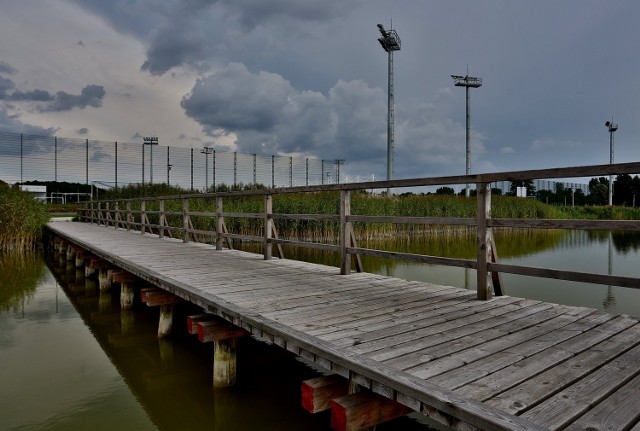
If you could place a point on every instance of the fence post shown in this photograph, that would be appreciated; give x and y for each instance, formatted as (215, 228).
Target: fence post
(268, 226)
(219, 223)
(345, 232)
(185, 220)
(483, 240)
(162, 218)
(129, 215)
(143, 216)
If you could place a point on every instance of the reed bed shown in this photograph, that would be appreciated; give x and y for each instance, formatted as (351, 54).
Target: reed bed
(328, 203)
(21, 273)
(21, 218)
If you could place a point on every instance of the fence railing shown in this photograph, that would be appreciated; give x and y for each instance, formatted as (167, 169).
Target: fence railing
(179, 222)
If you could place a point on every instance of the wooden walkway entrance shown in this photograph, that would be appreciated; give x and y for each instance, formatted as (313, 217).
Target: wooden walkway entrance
(506, 363)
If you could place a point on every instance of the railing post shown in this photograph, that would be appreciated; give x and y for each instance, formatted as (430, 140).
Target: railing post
(268, 226)
(129, 215)
(483, 240)
(107, 214)
(117, 215)
(219, 223)
(345, 232)
(185, 220)
(143, 215)
(161, 218)
(99, 213)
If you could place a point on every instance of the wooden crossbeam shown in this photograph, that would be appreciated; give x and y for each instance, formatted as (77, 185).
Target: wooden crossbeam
(155, 297)
(363, 410)
(317, 393)
(123, 277)
(192, 321)
(218, 330)
(97, 263)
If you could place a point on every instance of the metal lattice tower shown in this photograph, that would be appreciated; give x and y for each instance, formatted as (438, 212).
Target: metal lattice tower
(390, 42)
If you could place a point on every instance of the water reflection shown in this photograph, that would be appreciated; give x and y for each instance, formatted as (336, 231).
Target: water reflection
(72, 360)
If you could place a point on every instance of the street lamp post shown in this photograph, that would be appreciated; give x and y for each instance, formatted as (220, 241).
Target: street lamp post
(206, 151)
(612, 128)
(473, 82)
(390, 42)
(151, 141)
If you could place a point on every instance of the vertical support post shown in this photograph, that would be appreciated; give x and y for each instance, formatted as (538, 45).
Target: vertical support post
(116, 166)
(143, 165)
(165, 324)
(273, 173)
(86, 163)
(214, 170)
(224, 363)
(192, 169)
(483, 240)
(307, 171)
(21, 157)
(255, 168)
(143, 215)
(55, 158)
(129, 215)
(162, 218)
(290, 171)
(117, 215)
(268, 226)
(235, 168)
(185, 220)
(168, 166)
(126, 295)
(345, 232)
(103, 279)
(322, 173)
(219, 223)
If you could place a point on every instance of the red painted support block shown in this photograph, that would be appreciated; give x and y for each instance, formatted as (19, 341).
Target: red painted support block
(363, 410)
(218, 330)
(157, 297)
(317, 393)
(192, 321)
(96, 263)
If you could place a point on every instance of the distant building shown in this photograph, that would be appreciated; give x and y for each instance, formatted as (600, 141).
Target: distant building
(38, 192)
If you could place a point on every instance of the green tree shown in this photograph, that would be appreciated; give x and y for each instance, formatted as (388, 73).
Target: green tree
(445, 191)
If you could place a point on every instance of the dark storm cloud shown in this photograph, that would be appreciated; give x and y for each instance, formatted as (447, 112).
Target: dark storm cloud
(6, 68)
(269, 116)
(37, 141)
(91, 95)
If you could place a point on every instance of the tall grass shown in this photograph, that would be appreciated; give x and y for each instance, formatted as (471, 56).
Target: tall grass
(21, 220)
(361, 204)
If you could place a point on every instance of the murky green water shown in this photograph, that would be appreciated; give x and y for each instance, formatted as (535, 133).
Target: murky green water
(70, 359)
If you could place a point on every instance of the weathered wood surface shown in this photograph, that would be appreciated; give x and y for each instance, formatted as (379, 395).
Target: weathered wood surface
(503, 364)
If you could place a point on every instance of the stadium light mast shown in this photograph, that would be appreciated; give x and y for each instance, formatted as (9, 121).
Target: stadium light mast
(390, 42)
(206, 151)
(150, 141)
(612, 127)
(467, 82)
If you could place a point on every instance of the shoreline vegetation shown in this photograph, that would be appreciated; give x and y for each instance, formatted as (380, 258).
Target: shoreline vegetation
(22, 218)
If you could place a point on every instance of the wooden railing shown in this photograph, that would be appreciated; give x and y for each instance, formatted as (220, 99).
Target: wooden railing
(486, 263)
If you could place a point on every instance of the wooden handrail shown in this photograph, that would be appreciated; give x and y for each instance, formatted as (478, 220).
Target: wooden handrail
(485, 263)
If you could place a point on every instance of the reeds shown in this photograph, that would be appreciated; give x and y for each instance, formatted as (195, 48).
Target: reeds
(21, 220)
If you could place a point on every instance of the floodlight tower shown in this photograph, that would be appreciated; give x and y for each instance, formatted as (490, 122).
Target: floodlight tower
(467, 82)
(150, 141)
(612, 127)
(390, 42)
(206, 151)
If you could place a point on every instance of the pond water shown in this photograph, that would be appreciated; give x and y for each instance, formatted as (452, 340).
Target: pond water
(72, 360)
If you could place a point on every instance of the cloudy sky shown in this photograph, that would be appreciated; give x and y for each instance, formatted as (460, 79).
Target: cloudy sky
(309, 78)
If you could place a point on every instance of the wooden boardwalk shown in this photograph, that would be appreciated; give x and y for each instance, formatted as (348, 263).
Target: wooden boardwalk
(506, 363)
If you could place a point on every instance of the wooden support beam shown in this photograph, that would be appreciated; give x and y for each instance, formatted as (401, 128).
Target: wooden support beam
(158, 297)
(123, 277)
(317, 393)
(165, 325)
(127, 295)
(224, 363)
(363, 410)
(218, 330)
(103, 279)
(192, 321)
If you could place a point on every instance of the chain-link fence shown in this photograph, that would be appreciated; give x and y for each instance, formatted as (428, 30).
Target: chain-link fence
(116, 164)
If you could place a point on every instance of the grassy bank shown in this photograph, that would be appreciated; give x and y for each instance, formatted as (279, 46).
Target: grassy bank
(21, 219)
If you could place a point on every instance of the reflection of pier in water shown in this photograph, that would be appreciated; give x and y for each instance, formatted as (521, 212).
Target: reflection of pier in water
(171, 378)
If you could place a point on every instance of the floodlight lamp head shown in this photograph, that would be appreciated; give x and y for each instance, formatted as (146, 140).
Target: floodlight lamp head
(608, 123)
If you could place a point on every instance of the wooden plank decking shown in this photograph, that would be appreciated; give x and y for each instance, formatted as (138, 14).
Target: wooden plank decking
(507, 363)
